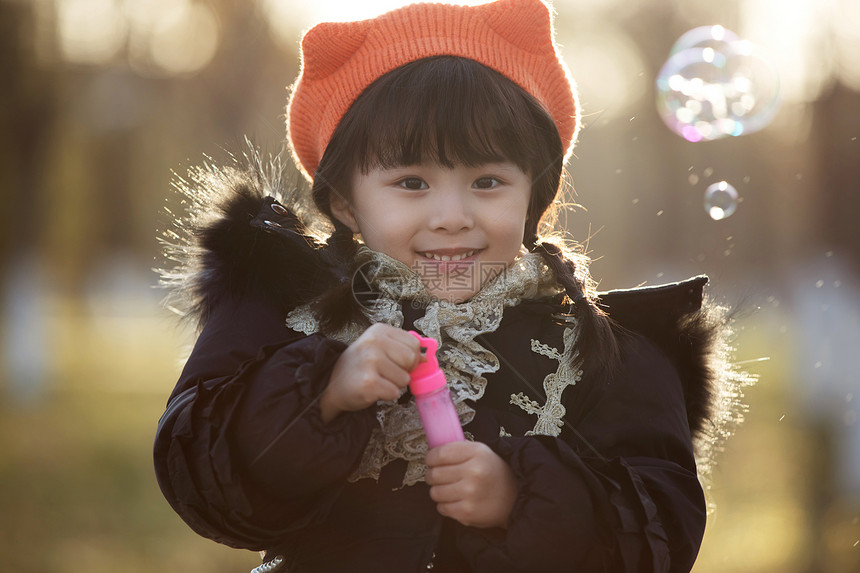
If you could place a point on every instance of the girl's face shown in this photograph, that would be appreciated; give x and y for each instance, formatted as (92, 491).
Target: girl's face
(456, 227)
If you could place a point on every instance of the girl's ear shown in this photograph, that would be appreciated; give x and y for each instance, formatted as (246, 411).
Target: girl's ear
(342, 211)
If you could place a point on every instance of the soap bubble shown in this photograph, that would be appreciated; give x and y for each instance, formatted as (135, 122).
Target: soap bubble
(715, 37)
(714, 85)
(721, 200)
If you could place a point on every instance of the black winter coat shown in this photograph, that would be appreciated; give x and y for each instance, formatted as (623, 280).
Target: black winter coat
(243, 457)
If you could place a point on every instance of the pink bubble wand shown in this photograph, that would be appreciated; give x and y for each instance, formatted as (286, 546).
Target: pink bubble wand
(432, 398)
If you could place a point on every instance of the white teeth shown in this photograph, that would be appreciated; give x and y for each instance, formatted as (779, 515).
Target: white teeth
(436, 257)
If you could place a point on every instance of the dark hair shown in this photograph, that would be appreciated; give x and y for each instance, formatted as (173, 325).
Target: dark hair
(470, 115)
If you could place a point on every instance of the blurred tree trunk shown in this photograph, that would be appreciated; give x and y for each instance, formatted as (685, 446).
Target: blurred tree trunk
(28, 110)
(837, 121)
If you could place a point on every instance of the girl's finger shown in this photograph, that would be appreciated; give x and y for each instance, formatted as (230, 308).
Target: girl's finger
(388, 391)
(393, 373)
(405, 351)
(452, 454)
(443, 509)
(455, 510)
(445, 494)
(442, 475)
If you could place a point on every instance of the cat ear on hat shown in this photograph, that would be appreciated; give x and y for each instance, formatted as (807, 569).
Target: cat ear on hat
(326, 48)
(517, 20)
(329, 45)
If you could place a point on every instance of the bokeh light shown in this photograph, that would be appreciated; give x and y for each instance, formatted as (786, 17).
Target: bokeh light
(90, 31)
(184, 38)
(159, 37)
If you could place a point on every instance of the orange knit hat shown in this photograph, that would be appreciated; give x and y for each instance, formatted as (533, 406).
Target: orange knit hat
(340, 59)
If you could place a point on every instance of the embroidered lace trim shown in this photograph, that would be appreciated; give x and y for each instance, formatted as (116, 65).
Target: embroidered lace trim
(399, 434)
(551, 415)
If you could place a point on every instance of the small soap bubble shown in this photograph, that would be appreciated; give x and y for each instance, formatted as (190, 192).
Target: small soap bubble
(716, 85)
(693, 179)
(819, 284)
(721, 200)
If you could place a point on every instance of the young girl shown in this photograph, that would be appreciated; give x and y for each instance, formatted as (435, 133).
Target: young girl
(435, 137)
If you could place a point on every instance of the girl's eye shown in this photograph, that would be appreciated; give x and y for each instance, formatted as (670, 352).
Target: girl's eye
(486, 183)
(412, 183)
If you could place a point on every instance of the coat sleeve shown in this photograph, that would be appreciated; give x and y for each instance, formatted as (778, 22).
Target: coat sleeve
(621, 495)
(241, 452)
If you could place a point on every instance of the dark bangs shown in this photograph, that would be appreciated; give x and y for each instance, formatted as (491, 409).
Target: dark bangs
(448, 110)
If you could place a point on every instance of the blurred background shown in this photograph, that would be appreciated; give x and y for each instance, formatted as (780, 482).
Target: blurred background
(102, 101)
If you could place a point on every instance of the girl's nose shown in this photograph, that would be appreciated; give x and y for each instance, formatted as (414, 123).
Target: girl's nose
(451, 212)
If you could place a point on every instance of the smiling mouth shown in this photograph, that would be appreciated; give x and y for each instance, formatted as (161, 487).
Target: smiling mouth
(449, 257)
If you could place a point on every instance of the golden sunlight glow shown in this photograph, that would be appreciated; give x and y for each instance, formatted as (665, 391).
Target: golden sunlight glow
(184, 38)
(847, 39)
(346, 10)
(795, 35)
(163, 37)
(90, 31)
(606, 65)
(289, 17)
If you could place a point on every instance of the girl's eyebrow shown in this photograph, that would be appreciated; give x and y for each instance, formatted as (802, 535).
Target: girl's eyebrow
(505, 168)
(499, 165)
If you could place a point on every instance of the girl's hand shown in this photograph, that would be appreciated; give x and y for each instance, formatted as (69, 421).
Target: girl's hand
(470, 483)
(374, 367)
